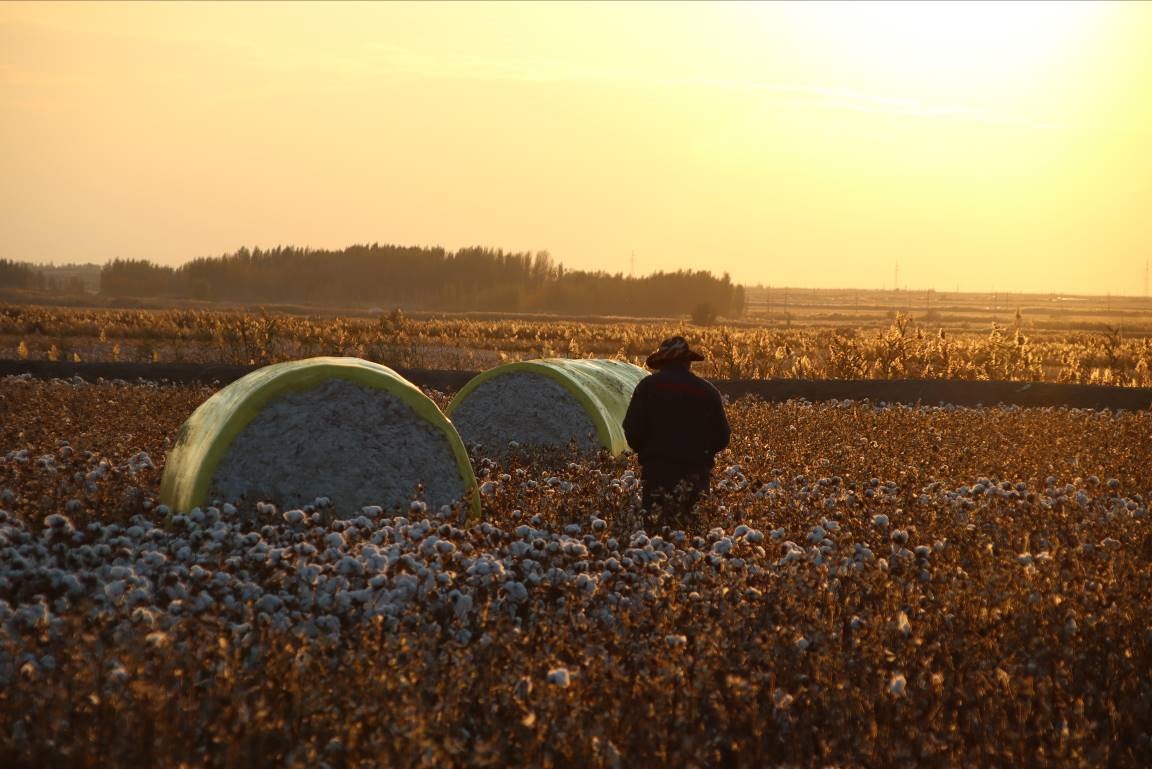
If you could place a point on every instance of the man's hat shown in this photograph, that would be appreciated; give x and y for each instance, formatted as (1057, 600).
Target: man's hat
(673, 350)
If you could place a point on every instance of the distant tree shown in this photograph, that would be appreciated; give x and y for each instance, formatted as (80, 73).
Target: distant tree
(136, 277)
(704, 314)
(20, 275)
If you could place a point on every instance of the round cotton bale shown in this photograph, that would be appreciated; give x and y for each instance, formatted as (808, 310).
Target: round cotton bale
(347, 429)
(547, 402)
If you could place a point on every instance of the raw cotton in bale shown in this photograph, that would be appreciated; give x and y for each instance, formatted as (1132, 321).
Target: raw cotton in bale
(547, 402)
(343, 428)
(355, 445)
(526, 410)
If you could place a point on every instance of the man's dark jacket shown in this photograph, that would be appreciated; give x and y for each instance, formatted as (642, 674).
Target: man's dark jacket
(676, 419)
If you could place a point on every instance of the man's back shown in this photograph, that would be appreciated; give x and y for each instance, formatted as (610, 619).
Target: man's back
(676, 417)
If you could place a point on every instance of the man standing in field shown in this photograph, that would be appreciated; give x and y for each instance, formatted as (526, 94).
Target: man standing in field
(676, 424)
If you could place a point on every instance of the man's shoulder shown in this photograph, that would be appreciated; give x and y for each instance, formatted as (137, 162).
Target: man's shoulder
(683, 382)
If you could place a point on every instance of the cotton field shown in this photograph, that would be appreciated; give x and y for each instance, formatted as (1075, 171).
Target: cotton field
(867, 586)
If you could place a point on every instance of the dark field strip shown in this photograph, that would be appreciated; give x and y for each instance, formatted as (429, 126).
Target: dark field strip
(909, 391)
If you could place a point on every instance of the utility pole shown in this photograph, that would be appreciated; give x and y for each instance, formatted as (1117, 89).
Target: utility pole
(632, 265)
(896, 277)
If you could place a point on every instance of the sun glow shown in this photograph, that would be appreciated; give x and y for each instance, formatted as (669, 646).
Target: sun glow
(990, 53)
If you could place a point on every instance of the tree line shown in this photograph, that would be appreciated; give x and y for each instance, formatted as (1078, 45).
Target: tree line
(431, 278)
(29, 277)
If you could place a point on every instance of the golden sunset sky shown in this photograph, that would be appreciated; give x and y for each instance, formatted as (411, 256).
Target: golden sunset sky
(981, 145)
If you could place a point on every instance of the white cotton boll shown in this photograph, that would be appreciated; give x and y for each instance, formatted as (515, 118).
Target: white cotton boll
(269, 603)
(897, 684)
(676, 641)
(559, 677)
(599, 524)
(516, 591)
(575, 549)
(777, 534)
(461, 605)
(294, 517)
(1110, 543)
(137, 596)
(115, 590)
(57, 522)
(880, 520)
(722, 547)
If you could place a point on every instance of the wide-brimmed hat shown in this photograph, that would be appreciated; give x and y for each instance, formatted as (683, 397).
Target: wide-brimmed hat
(673, 350)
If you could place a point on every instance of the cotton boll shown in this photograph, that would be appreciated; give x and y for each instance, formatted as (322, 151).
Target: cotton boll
(559, 677)
(515, 591)
(880, 520)
(897, 685)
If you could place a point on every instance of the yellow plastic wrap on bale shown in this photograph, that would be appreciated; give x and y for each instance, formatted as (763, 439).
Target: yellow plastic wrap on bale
(603, 387)
(204, 438)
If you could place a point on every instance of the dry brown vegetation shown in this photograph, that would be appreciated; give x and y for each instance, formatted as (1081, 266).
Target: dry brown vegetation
(999, 617)
(901, 348)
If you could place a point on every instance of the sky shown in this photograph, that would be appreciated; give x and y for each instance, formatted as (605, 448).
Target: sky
(957, 146)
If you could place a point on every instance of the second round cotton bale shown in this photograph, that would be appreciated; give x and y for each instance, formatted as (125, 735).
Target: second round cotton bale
(548, 402)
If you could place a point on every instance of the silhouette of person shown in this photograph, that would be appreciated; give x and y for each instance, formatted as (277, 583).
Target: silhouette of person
(676, 425)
